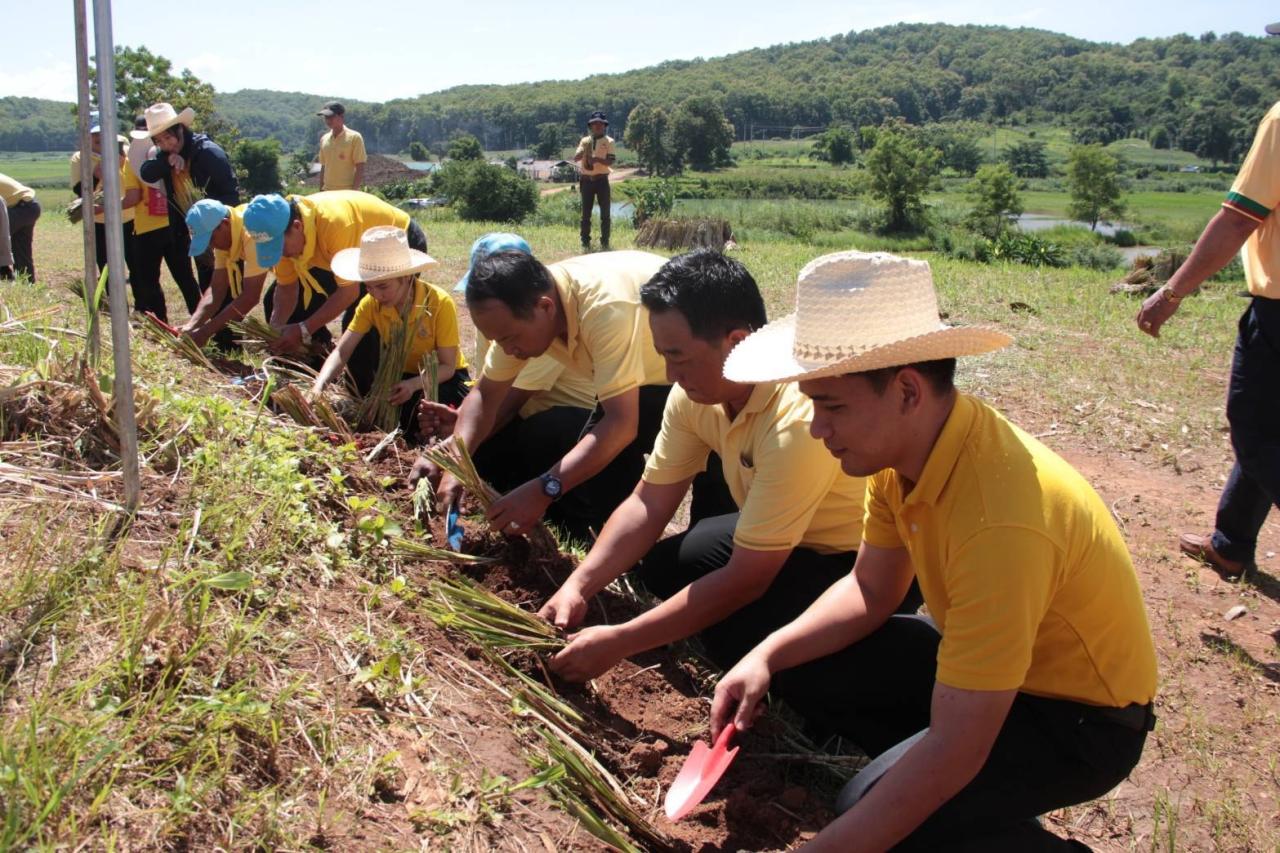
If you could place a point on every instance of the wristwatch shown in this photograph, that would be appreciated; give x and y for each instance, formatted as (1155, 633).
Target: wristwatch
(551, 486)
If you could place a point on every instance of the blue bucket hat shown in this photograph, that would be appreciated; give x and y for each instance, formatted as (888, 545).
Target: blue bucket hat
(266, 218)
(203, 217)
(490, 244)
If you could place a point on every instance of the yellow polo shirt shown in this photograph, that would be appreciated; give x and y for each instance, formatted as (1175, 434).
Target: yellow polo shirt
(127, 213)
(13, 192)
(1255, 194)
(433, 323)
(243, 249)
(144, 221)
(552, 385)
(1021, 566)
(339, 157)
(601, 147)
(790, 491)
(608, 337)
(331, 222)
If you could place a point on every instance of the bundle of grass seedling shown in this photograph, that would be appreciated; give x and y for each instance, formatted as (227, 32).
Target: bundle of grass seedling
(256, 334)
(429, 375)
(308, 411)
(421, 551)
(452, 456)
(376, 409)
(459, 605)
(181, 344)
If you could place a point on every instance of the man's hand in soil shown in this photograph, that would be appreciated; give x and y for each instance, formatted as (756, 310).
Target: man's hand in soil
(436, 419)
(516, 512)
(1155, 312)
(200, 339)
(591, 652)
(566, 608)
(402, 391)
(424, 467)
(290, 340)
(738, 695)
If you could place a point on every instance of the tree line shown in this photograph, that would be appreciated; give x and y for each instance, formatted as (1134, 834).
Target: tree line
(1202, 94)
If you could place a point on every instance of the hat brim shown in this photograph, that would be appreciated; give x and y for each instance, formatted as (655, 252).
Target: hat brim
(767, 354)
(346, 265)
(461, 286)
(185, 117)
(269, 252)
(139, 135)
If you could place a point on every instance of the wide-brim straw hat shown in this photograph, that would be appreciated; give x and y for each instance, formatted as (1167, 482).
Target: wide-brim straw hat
(857, 311)
(383, 253)
(161, 117)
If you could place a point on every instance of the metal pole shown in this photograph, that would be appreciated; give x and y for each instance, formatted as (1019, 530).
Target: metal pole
(123, 386)
(93, 343)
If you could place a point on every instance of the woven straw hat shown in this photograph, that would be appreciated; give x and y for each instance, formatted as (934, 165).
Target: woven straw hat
(856, 311)
(383, 253)
(161, 117)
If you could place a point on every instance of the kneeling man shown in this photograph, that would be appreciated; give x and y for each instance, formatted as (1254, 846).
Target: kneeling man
(1035, 690)
(791, 528)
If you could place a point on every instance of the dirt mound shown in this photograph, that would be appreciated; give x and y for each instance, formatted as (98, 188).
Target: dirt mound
(379, 170)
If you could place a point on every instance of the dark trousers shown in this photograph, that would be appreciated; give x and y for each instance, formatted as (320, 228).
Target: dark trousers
(528, 447)
(177, 258)
(593, 189)
(1253, 410)
(707, 545)
(22, 230)
(150, 250)
(450, 393)
(100, 247)
(1050, 753)
(596, 499)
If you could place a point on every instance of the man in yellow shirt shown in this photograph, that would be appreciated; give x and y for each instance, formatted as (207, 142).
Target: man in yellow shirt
(595, 158)
(298, 237)
(342, 155)
(585, 312)
(1245, 224)
(1034, 690)
(236, 284)
(17, 231)
(99, 220)
(787, 528)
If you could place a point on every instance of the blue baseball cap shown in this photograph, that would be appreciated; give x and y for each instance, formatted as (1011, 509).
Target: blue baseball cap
(266, 218)
(202, 218)
(489, 244)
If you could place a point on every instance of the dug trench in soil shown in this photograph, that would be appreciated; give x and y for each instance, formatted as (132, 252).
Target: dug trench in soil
(644, 715)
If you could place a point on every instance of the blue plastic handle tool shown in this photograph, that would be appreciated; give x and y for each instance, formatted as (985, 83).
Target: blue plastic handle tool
(452, 529)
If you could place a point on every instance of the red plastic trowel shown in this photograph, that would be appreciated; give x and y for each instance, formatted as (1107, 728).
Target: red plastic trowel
(702, 769)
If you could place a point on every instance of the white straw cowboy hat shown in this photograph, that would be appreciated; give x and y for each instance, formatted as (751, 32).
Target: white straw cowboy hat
(161, 117)
(856, 311)
(383, 253)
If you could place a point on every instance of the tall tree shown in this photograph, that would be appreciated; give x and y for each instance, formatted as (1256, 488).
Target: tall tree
(900, 172)
(996, 202)
(1096, 190)
(701, 132)
(551, 138)
(648, 133)
(465, 147)
(144, 78)
(835, 145)
(1028, 159)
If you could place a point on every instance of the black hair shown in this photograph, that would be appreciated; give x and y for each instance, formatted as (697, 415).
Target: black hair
(940, 374)
(295, 213)
(516, 279)
(714, 293)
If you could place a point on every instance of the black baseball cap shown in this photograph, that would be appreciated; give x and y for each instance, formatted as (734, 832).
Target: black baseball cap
(597, 116)
(333, 108)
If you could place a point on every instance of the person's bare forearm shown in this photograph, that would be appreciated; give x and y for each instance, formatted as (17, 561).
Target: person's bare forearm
(337, 302)
(478, 412)
(237, 309)
(627, 536)
(286, 299)
(1218, 244)
(358, 180)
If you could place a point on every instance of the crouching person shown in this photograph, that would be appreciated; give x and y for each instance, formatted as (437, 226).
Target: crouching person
(1034, 690)
(398, 298)
(780, 536)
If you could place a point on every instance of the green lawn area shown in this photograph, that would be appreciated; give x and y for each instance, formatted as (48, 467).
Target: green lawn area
(46, 169)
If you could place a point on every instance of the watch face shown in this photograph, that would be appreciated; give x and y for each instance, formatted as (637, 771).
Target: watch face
(551, 486)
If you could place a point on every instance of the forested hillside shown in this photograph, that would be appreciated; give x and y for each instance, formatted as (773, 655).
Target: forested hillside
(1199, 93)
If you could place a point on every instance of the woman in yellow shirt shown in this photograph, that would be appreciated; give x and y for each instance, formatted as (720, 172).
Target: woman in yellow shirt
(389, 269)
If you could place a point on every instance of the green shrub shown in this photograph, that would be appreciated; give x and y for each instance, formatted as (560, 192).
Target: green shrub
(258, 166)
(1096, 257)
(1123, 237)
(481, 192)
(558, 209)
(651, 198)
(400, 190)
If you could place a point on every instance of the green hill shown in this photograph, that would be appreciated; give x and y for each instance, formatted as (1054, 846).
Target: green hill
(1178, 91)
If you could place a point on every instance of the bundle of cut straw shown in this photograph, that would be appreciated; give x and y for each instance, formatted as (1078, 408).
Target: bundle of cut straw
(376, 411)
(429, 374)
(256, 334)
(315, 412)
(460, 605)
(182, 345)
(419, 551)
(452, 456)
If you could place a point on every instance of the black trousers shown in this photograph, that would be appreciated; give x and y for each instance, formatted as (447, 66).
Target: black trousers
(1050, 753)
(595, 188)
(22, 230)
(177, 258)
(150, 250)
(707, 545)
(1253, 410)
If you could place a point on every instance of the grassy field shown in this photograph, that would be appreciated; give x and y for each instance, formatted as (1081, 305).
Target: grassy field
(225, 675)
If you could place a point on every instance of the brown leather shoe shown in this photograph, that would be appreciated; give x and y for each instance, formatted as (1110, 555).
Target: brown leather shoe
(1201, 548)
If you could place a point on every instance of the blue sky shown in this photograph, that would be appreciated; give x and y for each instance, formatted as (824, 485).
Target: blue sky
(381, 50)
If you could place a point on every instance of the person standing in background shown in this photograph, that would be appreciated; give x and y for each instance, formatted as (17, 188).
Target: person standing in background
(595, 159)
(99, 222)
(342, 155)
(18, 217)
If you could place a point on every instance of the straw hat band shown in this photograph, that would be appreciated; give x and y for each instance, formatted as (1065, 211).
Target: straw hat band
(383, 253)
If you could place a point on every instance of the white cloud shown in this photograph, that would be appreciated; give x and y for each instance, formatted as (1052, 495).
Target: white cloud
(56, 81)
